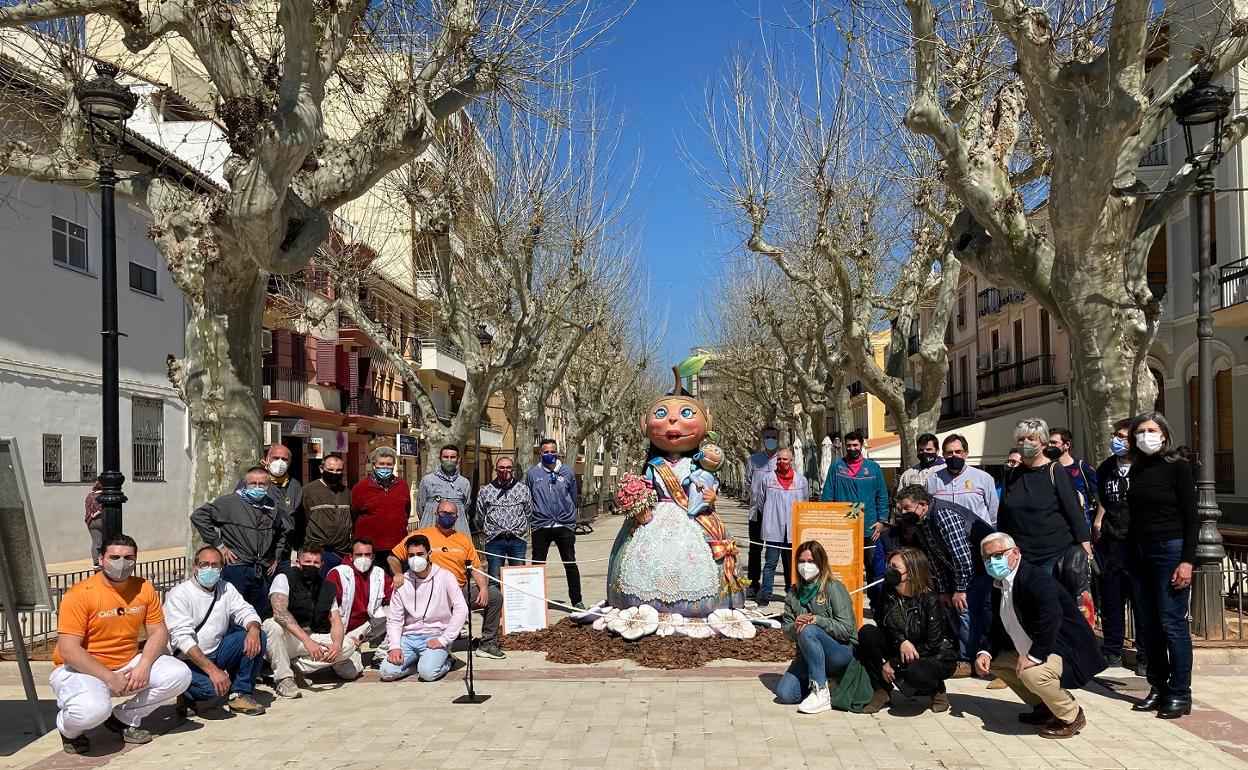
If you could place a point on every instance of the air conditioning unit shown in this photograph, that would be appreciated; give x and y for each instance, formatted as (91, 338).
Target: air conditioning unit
(405, 408)
(266, 341)
(985, 361)
(266, 392)
(272, 433)
(1003, 355)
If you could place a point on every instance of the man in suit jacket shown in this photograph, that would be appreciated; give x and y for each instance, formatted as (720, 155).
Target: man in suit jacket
(1039, 643)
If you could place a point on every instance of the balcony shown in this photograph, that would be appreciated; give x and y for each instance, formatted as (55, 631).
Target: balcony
(281, 383)
(367, 405)
(1233, 287)
(1013, 296)
(955, 406)
(443, 356)
(348, 332)
(988, 302)
(411, 348)
(1028, 373)
(1156, 155)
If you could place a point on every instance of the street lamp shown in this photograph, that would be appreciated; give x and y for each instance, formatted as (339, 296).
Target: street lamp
(1202, 105)
(485, 339)
(106, 105)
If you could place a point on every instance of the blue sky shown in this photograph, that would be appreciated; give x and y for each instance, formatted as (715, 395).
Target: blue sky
(653, 68)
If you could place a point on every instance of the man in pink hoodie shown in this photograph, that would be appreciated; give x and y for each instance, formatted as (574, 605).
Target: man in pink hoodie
(426, 613)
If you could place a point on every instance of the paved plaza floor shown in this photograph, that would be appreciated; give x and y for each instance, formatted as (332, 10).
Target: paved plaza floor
(616, 715)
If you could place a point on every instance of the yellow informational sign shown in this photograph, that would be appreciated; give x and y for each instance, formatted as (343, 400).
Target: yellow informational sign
(838, 528)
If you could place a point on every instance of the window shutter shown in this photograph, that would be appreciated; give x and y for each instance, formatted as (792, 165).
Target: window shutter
(326, 356)
(1225, 415)
(310, 349)
(342, 361)
(281, 346)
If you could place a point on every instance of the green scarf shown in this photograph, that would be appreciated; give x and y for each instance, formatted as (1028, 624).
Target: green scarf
(806, 593)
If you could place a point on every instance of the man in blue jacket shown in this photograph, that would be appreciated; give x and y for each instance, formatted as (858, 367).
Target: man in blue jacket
(855, 479)
(1039, 644)
(553, 488)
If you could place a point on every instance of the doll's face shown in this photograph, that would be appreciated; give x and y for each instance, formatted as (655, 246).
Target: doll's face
(676, 424)
(712, 457)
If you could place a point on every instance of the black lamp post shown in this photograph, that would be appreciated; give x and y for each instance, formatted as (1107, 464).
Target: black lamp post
(1205, 104)
(485, 339)
(106, 105)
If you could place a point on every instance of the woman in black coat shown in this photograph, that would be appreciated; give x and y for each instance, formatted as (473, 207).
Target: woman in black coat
(911, 645)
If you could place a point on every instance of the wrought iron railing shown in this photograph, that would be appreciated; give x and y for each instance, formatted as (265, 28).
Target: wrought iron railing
(988, 302)
(1156, 155)
(443, 346)
(286, 384)
(1028, 373)
(1233, 279)
(368, 405)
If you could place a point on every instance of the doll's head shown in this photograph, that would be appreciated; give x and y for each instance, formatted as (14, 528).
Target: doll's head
(710, 457)
(676, 423)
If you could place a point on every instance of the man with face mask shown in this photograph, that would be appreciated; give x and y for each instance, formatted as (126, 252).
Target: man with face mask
(450, 548)
(360, 589)
(426, 613)
(1082, 474)
(218, 635)
(1109, 543)
(97, 652)
(1038, 643)
(961, 483)
(552, 486)
(761, 463)
(855, 479)
(929, 463)
(249, 528)
(504, 514)
(771, 500)
(445, 483)
(381, 503)
(327, 513)
(306, 631)
(286, 494)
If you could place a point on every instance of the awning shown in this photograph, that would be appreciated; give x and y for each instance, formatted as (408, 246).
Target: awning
(989, 439)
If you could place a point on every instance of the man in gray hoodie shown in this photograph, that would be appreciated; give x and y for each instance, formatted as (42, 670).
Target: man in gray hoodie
(250, 529)
(446, 483)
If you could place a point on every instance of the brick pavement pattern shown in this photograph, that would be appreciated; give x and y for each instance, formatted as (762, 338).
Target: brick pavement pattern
(616, 715)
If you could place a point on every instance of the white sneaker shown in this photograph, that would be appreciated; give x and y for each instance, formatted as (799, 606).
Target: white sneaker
(817, 702)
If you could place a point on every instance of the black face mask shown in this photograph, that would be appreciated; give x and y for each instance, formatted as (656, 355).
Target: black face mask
(927, 458)
(892, 577)
(1052, 452)
(332, 478)
(852, 455)
(309, 573)
(955, 464)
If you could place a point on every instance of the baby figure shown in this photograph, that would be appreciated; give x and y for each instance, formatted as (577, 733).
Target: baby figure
(707, 462)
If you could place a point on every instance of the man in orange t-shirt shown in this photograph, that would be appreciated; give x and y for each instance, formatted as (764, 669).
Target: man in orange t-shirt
(450, 549)
(97, 653)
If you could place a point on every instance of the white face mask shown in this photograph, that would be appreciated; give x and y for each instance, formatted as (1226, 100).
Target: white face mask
(362, 563)
(808, 570)
(417, 564)
(1149, 443)
(278, 467)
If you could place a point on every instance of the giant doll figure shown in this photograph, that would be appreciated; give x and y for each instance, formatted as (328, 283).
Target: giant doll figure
(676, 557)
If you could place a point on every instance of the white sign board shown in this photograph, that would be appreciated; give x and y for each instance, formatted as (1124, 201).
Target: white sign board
(524, 598)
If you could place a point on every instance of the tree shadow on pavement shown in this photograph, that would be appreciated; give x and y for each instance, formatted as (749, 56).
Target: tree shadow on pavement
(19, 723)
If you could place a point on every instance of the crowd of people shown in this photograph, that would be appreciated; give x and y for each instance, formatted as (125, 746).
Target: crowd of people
(967, 577)
(300, 579)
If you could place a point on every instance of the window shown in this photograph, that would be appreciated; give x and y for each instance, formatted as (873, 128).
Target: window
(148, 438)
(142, 279)
(143, 256)
(51, 458)
(69, 244)
(86, 459)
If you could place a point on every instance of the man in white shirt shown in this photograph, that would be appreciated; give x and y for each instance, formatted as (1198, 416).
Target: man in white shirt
(964, 484)
(217, 634)
(761, 462)
(1039, 643)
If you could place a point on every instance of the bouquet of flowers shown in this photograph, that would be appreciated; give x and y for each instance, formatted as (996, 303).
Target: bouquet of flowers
(635, 496)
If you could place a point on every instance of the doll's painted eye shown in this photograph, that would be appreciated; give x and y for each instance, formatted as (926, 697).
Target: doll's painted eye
(661, 412)
(687, 412)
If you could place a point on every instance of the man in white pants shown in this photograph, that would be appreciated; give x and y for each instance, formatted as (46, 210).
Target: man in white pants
(97, 653)
(306, 629)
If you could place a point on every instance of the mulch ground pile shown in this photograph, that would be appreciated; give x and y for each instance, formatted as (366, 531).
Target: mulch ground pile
(567, 642)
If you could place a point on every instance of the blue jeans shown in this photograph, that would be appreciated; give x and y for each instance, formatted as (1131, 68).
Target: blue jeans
(1049, 564)
(429, 663)
(1162, 616)
(508, 546)
(972, 626)
(252, 581)
(229, 658)
(818, 657)
(776, 552)
(874, 562)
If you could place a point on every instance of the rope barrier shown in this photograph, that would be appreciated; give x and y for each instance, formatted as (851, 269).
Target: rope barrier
(590, 561)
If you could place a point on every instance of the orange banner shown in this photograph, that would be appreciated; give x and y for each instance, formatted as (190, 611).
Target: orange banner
(838, 528)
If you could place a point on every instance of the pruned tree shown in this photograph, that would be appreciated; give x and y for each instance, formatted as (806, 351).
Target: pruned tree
(274, 70)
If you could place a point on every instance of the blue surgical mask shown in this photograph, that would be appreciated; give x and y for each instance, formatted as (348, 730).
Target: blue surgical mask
(1119, 446)
(383, 473)
(549, 458)
(256, 494)
(208, 576)
(770, 444)
(999, 566)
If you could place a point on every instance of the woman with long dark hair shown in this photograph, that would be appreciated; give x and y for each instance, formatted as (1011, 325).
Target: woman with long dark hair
(819, 616)
(1162, 533)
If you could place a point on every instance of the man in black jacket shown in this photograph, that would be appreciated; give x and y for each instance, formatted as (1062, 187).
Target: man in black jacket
(1039, 644)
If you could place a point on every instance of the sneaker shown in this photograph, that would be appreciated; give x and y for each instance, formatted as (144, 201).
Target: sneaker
(243, 703)
(490, 650)
(286, 688)
(79, 745)
(580, 606)
(879, 699)
(1111, 660)
(135, 735)
(963, 671)
(819, 701)
(940, 702)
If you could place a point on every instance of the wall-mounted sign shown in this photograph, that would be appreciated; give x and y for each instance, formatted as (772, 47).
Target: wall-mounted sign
(295, 427)
(408, 446)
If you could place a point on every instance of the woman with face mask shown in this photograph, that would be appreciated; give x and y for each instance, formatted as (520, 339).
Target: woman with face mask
(819, 616)
(1162, 533)
(910, 645)
(1039, 507)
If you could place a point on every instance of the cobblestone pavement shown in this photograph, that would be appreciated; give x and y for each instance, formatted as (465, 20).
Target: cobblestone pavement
(617, 715)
